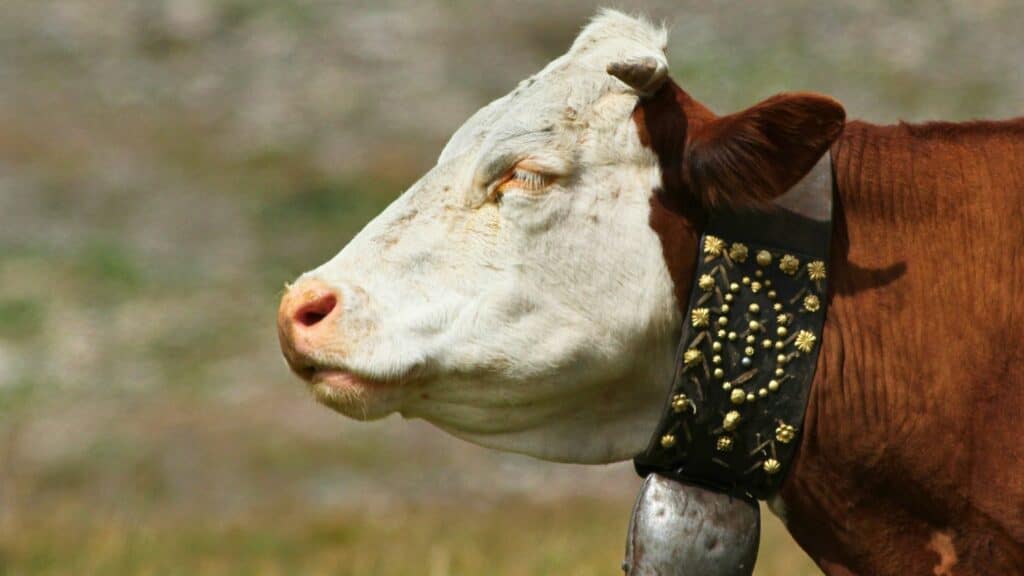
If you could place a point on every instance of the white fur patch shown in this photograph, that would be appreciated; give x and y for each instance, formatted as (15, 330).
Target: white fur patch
(942, 544)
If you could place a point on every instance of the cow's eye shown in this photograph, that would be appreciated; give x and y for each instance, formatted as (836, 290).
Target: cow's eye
(524, 179)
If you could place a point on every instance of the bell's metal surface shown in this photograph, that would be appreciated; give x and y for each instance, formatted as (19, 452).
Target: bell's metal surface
(685, 530)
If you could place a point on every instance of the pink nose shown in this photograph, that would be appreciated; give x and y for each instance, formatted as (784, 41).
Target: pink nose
(305, 323)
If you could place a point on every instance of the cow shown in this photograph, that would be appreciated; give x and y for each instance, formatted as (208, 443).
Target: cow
(527, 294)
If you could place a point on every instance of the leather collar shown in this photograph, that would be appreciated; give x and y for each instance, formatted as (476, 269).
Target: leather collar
(749, 344)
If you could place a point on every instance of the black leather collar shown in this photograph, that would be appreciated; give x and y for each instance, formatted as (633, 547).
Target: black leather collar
(749, 345)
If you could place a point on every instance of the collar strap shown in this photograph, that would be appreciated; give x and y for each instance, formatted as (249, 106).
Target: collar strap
(749, 345)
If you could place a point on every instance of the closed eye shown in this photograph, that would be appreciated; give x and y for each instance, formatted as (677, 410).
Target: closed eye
(525, 179)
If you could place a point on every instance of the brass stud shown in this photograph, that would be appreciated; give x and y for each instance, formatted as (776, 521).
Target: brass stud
(746, 280)
(758, 273)
(700, 317)
(706, 282)
(779, 344)
(782, 319)
(692, 357)
(738, 252)
(805, 341)
(764, 258)
(737, 396)
(780, 372)
(785, 433)
(772, 466)
(713, 246)
(789, 264)
(731, 420)
(755, 325)
(716, 359)
(716, 346)
(668, 441)
(749, 350)
(816, 270)
(763, 392)
(777, 306)
(773, 385)
(751, 397)
(723, 444)
(772, 294)
(728, 297)
(680, 402)
(726, 385)
(812, 303)
(750, 338)
(755, 287)
(732, 336)
(782, 331)
(734, 287)
(754, 308)
(766, 344)
(721, 333)
(719, 373)
(725, 308)
(722, 320)
(782, 359)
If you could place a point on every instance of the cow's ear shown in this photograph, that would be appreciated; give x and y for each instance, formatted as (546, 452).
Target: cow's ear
(749, 158)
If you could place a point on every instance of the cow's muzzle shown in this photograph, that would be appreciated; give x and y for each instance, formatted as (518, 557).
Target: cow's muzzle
(306, 324)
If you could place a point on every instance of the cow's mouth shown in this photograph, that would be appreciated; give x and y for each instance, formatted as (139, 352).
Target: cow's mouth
(351, 394)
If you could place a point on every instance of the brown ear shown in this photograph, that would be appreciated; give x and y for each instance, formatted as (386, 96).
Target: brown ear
(753, 156)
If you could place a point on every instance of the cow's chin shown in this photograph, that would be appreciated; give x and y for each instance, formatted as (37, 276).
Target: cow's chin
(354, 396)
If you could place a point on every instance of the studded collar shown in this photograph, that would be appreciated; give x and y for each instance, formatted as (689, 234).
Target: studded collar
(749, 345)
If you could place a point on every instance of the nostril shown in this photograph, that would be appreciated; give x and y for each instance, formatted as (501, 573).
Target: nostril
(311, 313)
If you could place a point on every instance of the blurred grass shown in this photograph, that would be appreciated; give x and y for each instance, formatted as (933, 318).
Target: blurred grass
(165, 166)
(515, 537)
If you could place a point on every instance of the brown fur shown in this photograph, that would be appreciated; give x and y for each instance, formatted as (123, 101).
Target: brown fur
(913, 436)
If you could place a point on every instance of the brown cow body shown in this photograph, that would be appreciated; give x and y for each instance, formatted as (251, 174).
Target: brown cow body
(912, 459)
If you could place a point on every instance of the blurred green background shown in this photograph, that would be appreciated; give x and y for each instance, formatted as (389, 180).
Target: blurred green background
(166, 165)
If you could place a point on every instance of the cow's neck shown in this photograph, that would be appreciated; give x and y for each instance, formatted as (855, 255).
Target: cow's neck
(909, 454)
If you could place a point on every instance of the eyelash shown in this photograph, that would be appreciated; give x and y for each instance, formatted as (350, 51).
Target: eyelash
(526, 180)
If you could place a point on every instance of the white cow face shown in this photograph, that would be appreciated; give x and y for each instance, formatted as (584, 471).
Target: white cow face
(517, 295)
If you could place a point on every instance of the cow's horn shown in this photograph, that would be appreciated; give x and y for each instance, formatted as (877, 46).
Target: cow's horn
(644, 74)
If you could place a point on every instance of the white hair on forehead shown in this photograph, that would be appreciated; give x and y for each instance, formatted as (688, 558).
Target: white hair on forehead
(572, 81)
(611, 25)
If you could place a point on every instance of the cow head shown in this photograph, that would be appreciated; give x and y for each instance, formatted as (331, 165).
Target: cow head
(526, 292)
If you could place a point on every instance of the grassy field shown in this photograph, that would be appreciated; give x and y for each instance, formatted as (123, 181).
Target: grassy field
(515, 537)
(165, 166)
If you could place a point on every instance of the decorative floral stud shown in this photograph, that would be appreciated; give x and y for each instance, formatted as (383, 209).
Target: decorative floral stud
(764, 258)
(785, 433)
(805, 341)
(668, 441)
(816, 270)
(812, 303)
(789, 264)
(713, 246)
(706, 282)
(738, 252)
(692, 357)
(771, 466)
(700, 317)
(680, 402)
(724, 444)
